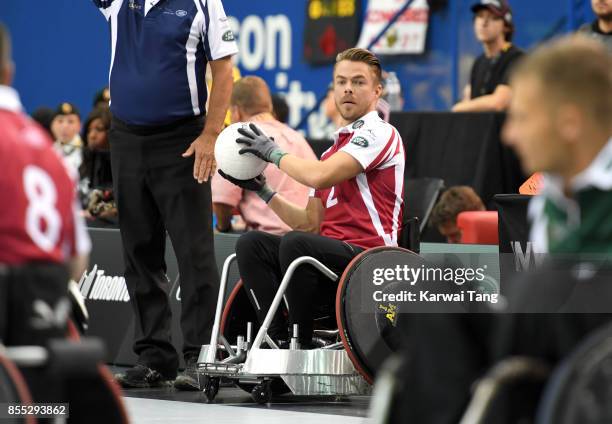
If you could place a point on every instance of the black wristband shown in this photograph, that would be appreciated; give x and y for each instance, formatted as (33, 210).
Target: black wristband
(266, 194)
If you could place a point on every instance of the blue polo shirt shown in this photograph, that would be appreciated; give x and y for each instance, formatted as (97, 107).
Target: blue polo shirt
(159, 52)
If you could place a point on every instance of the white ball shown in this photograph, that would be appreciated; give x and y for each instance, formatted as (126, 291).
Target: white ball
(241, 167)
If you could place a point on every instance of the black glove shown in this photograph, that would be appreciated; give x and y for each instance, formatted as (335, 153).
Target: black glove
(259, 145)
(257, 184)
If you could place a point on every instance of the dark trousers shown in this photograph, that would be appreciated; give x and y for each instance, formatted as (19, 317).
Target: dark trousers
(263, 260)
(155, 191)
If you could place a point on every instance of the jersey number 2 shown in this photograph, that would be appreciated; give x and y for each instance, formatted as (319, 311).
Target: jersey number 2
(331, 200)
(43, 221)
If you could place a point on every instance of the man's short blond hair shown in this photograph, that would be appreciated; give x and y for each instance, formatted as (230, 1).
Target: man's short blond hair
(574, 70)
(252, 95)
(365, 56)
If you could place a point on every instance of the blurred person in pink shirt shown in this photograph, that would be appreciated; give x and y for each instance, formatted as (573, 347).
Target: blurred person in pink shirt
(251, 102)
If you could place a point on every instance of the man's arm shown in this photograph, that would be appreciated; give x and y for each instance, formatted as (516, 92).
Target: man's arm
(339, 167)
(317, 174)
(498, 101)
(298, 218)
(308, 220)
(204, 146)
(77, 265)
(223, 213)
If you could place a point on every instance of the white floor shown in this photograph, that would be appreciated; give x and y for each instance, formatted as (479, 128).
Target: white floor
(143, 411)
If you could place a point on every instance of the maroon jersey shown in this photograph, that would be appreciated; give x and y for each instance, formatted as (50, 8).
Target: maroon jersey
(367, 209)
(39, 217)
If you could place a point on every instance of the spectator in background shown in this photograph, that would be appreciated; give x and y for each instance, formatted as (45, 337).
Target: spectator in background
(95, 171)
(44, 116)
(452, 202)
(251, 101)
(280, 108)
(66, 126)
(489, 89)
(601, 28)
(102, 98)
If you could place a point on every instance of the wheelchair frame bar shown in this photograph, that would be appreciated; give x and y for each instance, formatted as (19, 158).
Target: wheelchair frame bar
(263, 330)
(214, 336)
(26, 356)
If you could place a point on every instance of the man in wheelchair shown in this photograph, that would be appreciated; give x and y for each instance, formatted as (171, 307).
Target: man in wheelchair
(355, 200)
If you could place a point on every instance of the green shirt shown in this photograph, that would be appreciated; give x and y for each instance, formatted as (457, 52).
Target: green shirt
(581, 223)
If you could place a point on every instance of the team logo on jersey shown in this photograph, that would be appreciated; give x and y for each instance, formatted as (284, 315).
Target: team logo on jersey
(228, 36)
(134, 6)
(358, 124)
(181, 13)
(360, 141)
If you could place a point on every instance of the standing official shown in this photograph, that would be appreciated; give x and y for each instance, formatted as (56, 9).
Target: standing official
(162, 155)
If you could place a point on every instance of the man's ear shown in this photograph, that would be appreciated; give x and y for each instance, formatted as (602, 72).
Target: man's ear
(379, 89)
(6, 74)
(235, 114)
(570, 122)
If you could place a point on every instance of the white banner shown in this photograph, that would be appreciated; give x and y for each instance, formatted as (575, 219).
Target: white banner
(405, 36)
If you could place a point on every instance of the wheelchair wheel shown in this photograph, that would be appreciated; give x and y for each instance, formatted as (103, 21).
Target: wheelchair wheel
(237, 312)
(369, 330)
(13, 389)
(262, 392)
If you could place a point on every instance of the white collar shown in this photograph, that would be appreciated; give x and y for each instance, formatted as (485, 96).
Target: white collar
(9, 99)
(597, 175)
(150, 4)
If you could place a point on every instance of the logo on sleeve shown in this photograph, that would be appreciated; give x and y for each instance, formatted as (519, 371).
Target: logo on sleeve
(358, 124)
(360, 141)
(228, 36)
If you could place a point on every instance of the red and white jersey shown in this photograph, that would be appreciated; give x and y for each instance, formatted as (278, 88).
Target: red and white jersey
(39, 216)
(367, 209)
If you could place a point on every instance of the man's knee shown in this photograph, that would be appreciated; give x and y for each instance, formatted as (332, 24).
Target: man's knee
(293, 245)
(249, 243)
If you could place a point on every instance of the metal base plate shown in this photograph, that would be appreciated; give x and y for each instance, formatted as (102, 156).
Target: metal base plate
(306, 372)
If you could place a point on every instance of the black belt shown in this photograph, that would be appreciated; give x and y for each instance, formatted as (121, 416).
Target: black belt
(156, 129)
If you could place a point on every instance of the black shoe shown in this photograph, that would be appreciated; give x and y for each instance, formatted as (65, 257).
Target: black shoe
(188, 380)
(141, 376)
